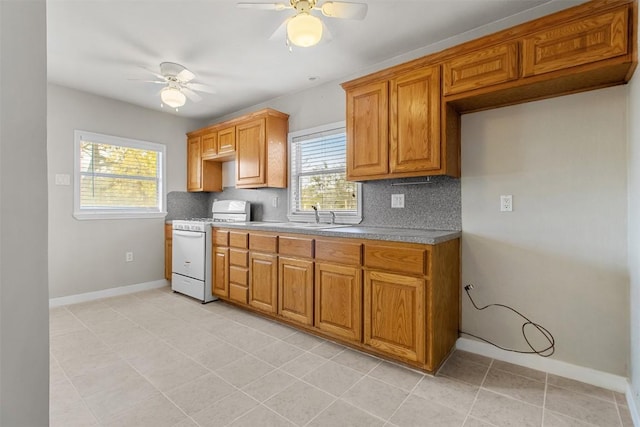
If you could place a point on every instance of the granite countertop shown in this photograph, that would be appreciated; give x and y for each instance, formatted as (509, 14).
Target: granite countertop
(411, 235)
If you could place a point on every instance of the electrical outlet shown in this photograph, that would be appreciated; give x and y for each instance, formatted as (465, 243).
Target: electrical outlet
(128, 257)
(397, 200)
(506, 203)
(274, 202)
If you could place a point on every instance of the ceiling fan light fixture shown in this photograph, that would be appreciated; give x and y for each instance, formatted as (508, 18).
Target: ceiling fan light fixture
(173, 97)
(304, 30)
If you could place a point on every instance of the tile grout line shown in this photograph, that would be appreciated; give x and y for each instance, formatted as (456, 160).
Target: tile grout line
(475, 399)
(405, 399)
(544, 398)
(170, 345)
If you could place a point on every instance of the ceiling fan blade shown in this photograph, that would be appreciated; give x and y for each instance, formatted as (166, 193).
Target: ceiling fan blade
(191, 94)
(339, 9)
(160, 76)
(201, 88)
(185, 76)
(264, 6)
(148, 81)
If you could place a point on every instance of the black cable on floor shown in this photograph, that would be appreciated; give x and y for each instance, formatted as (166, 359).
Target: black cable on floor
(544, 352)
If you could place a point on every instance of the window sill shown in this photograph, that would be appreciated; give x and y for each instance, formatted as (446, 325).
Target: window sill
(118, 215)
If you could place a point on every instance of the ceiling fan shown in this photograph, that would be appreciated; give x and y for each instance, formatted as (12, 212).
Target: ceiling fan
(305, 29)
(179, 85)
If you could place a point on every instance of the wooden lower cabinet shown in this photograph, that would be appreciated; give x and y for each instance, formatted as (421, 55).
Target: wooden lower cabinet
(295, 289)
(220, 272)
(338, 300)
(392, 299)
(394, 315)
(263, 282)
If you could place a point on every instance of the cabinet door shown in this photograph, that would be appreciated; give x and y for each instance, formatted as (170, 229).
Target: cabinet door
(576, 43)
(394, 320)
(415, 121)
(227, 140)
(250, 154)
(209, 145)
(221, 272)
(295, 289)
(263, 282)
(482, 68)
(338, 298)
(368, 131)
(194, 164)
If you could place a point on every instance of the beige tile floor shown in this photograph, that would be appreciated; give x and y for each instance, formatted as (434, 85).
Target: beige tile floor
(161, 359)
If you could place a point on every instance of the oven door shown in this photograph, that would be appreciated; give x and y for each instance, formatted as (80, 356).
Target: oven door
(188, 255)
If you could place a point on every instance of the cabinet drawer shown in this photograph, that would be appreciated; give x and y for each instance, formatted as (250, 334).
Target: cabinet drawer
(263, 243)
(395, 258)
(238, 293)
(239, 275)
(482, 68)
(239, 257)
(576, 43)
(239, 239)
(220, 237)
(339, 251)
(296, 246)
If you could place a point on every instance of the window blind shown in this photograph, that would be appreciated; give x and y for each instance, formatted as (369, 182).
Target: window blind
(318, 173)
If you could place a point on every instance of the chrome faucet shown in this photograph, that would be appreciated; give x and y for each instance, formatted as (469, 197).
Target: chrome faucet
(315, 208)
(333, 217)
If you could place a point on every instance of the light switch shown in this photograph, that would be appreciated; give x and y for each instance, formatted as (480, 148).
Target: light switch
(63, 179)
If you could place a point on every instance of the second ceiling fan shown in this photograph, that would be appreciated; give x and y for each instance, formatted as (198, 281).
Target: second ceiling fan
(303, 28)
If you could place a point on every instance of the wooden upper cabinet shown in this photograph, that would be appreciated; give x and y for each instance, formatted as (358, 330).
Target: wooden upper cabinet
(194, 164)
(368, 130)
(414, 127)
(257, 142)
(481, 68)
(202, 175)
(576, 43)
(394, 126)
(251, 154)
(261, 150)
(226, 140)
(209, 145)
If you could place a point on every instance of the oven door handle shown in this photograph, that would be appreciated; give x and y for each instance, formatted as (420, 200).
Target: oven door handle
(192, 234)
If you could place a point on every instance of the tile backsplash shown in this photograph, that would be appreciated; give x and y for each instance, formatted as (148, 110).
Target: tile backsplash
(435, 205)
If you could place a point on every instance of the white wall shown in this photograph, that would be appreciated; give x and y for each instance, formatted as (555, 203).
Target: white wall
(561, 256)
(24, 331)
(89, 255)
(634, 233)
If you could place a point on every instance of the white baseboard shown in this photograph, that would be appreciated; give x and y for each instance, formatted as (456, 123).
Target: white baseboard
(633, 408)
(106, 293)
(553, 366)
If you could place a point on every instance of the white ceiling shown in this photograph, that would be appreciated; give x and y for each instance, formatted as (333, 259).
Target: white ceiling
(99, 45)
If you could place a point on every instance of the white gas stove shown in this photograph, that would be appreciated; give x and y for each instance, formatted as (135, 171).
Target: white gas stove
(191, 255)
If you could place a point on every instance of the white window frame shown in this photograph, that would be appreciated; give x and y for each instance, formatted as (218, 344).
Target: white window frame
(325, 216)
(116, 213)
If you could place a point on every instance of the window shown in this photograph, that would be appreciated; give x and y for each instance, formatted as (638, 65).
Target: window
(117, 177)
(318, 176)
